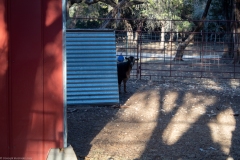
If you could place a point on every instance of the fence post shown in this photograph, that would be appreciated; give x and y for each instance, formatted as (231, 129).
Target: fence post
(139, 42)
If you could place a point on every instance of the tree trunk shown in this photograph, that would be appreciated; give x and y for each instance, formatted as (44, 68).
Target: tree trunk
(236, 33)
(129, 29)
(162, 39)
(183, 45)
(229, 50)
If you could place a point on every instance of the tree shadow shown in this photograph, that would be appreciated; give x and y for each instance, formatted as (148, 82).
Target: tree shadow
(32, 63)
(184, 133)
(85, 122)
(192, 121)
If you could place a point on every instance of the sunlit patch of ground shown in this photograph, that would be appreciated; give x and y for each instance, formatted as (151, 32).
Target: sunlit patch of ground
(162, 120)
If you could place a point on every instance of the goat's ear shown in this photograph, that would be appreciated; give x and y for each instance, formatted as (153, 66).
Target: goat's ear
(127, 58)
(136, 59)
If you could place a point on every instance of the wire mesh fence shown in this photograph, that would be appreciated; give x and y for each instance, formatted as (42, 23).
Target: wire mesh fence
(209, 54)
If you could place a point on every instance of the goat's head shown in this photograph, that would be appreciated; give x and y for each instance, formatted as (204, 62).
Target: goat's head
(131, 60)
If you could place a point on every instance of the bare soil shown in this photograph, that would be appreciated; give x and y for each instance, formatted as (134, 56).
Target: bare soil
(158, 120)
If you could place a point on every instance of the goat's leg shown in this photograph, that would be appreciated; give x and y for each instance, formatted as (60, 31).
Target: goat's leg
(124, 83)
(119, 87)
(119, 84)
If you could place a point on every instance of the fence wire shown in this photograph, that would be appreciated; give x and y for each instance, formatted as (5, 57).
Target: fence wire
(210, 54)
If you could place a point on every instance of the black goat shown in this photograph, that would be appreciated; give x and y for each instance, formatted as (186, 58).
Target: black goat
(124, 69)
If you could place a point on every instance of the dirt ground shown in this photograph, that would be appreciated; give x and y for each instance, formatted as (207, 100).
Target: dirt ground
(157, 120)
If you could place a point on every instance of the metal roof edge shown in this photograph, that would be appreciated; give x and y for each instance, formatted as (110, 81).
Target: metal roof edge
(90, 30)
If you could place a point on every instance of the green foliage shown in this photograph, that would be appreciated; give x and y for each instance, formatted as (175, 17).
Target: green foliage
(172, 14)
(85, 24)
(86, 16)
(184, 26)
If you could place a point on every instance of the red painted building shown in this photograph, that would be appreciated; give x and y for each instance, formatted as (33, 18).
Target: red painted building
(31, 78)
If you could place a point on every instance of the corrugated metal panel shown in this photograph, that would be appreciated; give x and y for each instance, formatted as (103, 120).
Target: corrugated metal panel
(91, 67)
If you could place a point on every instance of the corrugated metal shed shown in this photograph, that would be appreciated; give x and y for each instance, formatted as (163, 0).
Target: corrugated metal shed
(91, 67)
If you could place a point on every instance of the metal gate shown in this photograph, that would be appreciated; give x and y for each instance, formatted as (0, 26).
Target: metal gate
(202, 58)
(91, 67)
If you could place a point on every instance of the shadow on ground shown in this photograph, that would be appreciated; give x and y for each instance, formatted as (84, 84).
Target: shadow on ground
(166, 119)
(85, 122)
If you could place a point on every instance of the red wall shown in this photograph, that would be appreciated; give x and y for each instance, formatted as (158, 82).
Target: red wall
(4, 112)
(31, 78)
